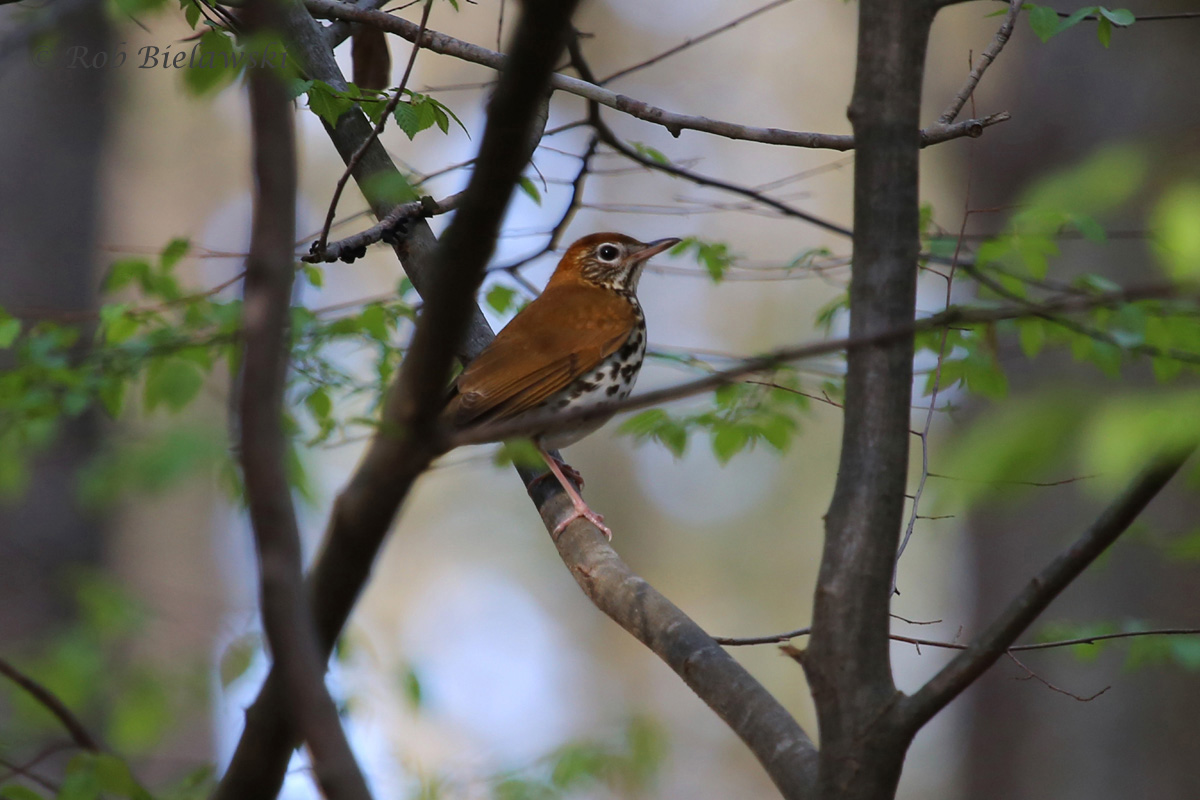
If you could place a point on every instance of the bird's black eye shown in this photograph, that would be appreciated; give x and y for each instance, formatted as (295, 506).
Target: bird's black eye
(608, 252)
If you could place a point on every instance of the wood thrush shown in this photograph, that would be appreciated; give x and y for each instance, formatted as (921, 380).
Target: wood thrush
(579, 344)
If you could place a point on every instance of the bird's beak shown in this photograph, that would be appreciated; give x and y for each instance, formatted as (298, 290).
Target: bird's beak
(651, 249)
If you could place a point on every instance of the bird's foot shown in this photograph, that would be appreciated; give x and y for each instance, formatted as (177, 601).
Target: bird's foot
(584, 513)
(567, 470)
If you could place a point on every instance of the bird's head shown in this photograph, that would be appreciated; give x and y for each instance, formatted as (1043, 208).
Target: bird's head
(609, 260)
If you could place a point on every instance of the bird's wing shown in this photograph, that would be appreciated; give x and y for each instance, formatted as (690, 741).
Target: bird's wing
(560, 336)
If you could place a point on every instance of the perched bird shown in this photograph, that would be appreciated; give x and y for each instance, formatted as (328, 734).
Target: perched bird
(579, 344)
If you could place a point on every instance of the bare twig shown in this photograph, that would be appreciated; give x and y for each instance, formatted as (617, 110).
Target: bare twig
(609, 138)
(672, 121)
(985, 60)
(692, 42)
(1041, 590)
(1031, 675)
(564, 221)
(775, 638)
(933, 395)
(354, 246)
(319, 247)
(50, 701)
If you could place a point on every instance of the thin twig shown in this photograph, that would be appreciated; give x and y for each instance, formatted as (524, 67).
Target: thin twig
(50, 701)
(937, 385)
(690, 42)
(775, 638)
(354, 246)
(968, 665)
(1031, 675)
(674, 122)
(985, 60)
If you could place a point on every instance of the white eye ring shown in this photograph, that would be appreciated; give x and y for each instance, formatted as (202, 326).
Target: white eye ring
(608, 252)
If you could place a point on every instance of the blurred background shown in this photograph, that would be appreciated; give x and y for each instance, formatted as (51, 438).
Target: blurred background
(473, 655)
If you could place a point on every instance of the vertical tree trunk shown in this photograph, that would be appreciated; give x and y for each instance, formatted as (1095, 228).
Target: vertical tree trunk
(50, 154)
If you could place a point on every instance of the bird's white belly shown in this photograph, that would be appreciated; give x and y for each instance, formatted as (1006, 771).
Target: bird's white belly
(611, 381)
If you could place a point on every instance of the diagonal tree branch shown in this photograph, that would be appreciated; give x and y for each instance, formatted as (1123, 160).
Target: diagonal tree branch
(52, 703)
(966, 667)
(985, 60)
(287, 619)
(404, 447)
(781, 746)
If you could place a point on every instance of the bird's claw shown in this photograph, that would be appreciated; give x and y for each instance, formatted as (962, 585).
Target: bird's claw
(590, 516)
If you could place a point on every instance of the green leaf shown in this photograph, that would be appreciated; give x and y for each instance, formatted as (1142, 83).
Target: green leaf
(10, 329)
(528, 187)
(238, 657)
(173, 382)
(112, 395)
(191, 13)
(389, 188)
(1176, 224)
(580, 764)
(520, 789)
(314, 275)
(375, 322)
(328, 103)
(1104, 31)
(139, 721)
(728, 441)
(410, 684)
(500, 298)
(426, 114)
(176, 249)
(319, 404)
(1031, 333)
(1128, 431)
(1184, 548)
(214, 65)
(1076, 17)
(14, 791)
(1043, 20)
(522, 452)
(406, 118)
(1023, 440)
(650, 153)
(1122, 17)
(1185, 651)
(297, 87)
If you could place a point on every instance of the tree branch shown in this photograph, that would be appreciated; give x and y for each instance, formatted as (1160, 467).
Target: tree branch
(781, 746)
(960, 673)
(287, 619)
(985, 60)
(50, 701)
(672, 121)
(953, 316)
(404, 447)
(355, 245)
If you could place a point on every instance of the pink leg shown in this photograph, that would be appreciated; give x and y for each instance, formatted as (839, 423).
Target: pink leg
(581, 508)
(567, 470)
